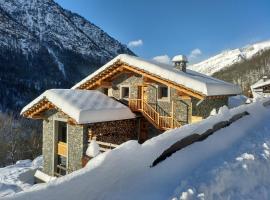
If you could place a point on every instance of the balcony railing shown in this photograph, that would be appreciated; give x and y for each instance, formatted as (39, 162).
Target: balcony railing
(160, 121)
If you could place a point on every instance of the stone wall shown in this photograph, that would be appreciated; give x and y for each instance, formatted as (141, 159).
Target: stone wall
(77, 144)
(207, 106)
(182, 107)
(76, 141)
(47, 148)
(126, 80)
(115, 132)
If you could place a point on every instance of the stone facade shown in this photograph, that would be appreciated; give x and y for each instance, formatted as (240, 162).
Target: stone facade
(115, 132)
(206, 106)
(126, 80)
(182, 107)
(47, 148)
(77, 145)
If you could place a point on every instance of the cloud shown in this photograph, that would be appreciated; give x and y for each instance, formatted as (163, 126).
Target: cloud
(162, 59)
(195, 53)
(135, 43)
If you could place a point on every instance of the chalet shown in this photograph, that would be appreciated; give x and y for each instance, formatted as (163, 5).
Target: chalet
(261, 88)
(128, 98)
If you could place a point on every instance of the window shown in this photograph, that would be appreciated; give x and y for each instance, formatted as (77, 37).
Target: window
(163, 92)
(106, 91)
(124, 92)
(62, 131)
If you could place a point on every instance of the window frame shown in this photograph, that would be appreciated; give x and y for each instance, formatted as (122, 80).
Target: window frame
(163, 98)
(121, 92)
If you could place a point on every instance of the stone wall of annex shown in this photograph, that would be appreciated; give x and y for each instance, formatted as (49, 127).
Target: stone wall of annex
(77, 145)
(76, 141)
(204, 108)
(47, 148)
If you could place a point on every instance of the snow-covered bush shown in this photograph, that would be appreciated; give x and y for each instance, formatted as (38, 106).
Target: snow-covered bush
(93, 149)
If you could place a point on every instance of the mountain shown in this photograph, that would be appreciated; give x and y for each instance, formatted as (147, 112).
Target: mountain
(45, 46)
(243, 66)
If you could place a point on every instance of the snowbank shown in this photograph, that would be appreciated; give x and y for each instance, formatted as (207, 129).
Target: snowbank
(125, 173)
(18, 177)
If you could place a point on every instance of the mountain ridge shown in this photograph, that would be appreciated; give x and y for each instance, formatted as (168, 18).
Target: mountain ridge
(242, 66)
(227, 58)
(44, 46)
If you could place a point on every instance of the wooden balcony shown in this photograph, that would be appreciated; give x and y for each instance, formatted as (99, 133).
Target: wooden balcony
(62, 149)
(159, 121)
(105, 146)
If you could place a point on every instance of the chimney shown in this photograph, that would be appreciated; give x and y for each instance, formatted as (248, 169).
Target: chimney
(265, 78)
(180, 62)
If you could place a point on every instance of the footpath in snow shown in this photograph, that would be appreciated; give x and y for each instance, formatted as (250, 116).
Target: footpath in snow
(232, 163)
(18, 177)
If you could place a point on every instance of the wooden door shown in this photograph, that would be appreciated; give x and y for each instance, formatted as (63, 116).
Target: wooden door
(144, 93)
(139, 94)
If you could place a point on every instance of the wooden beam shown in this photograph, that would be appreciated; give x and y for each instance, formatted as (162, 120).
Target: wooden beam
(104, 83)
(148, 80)
(165, 82)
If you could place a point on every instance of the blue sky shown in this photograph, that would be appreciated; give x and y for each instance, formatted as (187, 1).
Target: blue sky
(170, 27)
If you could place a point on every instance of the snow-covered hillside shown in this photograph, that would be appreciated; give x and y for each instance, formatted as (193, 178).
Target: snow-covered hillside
(233, 163)
(229, 57)
(44, 46)
(18, 177)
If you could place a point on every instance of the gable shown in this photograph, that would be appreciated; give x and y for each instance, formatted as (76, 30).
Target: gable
(190, 82)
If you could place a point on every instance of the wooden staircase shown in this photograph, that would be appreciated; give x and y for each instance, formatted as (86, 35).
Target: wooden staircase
(159, 121)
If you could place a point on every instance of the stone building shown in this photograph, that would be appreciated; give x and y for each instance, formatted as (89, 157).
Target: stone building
(128, 98)
(261, 88)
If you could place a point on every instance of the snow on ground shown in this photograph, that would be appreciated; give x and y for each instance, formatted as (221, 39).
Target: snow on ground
(233, 163)
(18, 177)
(241, 173)
(228, 58)
(238, 100)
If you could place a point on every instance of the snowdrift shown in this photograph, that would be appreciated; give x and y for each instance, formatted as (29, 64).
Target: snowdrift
(125, 172)
(18, 177)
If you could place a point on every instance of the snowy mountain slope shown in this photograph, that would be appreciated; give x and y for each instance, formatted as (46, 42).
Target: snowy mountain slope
(45, 46)
(61, 28)
(18, 177)
(229, 58)
(125, 173)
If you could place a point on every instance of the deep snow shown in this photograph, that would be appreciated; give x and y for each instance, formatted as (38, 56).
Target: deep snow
(201, 170)
(18, 177)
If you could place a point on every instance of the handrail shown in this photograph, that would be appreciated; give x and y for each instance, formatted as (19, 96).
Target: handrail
(161, 121)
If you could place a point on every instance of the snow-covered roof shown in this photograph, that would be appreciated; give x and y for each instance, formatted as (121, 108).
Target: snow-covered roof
(195, 81)
(260, 83)
(84, 106)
